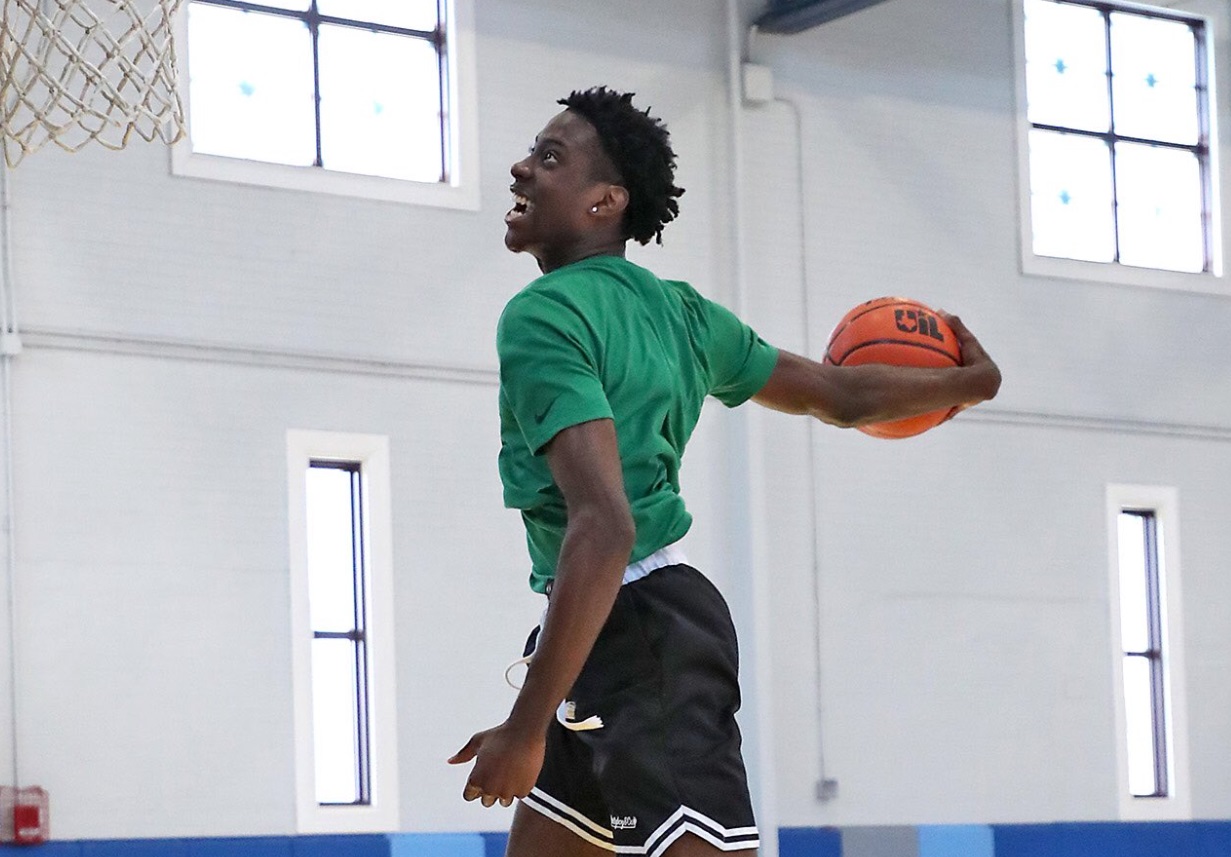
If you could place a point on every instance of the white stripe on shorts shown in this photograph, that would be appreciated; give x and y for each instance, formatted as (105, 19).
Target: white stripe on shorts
(688, 820)
(564, 816)
(683, 820)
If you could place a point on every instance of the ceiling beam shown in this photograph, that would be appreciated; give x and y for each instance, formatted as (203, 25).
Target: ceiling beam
(793, 16)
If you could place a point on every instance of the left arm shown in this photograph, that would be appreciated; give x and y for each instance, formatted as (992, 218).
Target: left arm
(585, 464)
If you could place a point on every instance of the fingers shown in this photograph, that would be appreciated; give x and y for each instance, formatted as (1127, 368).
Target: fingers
(960, 330)
(950, 319)
(971, 348)
(472, 792)
(466, 753)
(504, 770)
(975, 356)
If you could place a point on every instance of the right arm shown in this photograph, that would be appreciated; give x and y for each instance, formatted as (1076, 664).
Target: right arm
(858, 395)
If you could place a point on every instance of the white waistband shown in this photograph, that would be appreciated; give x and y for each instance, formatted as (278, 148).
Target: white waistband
(672, 554)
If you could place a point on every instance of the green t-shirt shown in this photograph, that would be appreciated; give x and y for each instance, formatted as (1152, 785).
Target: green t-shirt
(604, 338)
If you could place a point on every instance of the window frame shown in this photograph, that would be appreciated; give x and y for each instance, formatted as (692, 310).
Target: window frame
(1163, 504)
(357, 633)
(371, 454)
(1214, 19)
(460, 191)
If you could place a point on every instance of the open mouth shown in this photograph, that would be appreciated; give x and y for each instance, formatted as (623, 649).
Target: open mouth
(521, 207)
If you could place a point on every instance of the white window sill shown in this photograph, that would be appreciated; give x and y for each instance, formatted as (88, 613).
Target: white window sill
(188, 164)
(1124, 275)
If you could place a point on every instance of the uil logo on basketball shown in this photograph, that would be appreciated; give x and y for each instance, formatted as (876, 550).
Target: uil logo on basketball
(914, 321)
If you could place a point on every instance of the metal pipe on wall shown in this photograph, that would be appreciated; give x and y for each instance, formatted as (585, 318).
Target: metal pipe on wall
(748, 477)
(10, 346)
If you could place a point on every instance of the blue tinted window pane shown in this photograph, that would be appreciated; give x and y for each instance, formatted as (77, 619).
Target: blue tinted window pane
(380, 104)
(250, 86)
(1155, 78)
(408, 14)
(335, 720)
(1066, 66)
(1071, 197)
(1139, 720)
(331, 550)
(1160, 208)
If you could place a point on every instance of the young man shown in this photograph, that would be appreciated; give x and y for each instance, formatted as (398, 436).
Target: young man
(623, 735)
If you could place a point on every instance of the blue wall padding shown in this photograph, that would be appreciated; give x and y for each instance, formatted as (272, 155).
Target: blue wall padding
(1106, 839)
(273, 846)
(51, 849)
(956, 840)
(339, 845)
(436, 845)
(809, 842)
(135, 848)
(1126, 839)
(363, 845)
(494, 844)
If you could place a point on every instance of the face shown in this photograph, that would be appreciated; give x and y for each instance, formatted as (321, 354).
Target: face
(555, 188)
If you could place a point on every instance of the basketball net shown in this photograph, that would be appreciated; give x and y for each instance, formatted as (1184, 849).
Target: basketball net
(72, 71)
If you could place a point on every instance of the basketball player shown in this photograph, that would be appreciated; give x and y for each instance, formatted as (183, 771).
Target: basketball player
(623, 734)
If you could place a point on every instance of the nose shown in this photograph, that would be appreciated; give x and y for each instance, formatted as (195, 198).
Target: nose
(521, 169)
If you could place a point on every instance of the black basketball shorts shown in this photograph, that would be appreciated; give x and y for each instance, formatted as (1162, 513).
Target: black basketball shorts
(646, 748)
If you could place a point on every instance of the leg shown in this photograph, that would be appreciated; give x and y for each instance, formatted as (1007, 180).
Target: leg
(535, 835)
(689, 845)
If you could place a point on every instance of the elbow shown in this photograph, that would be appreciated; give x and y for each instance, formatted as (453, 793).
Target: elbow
(609, 527)
(623, 530)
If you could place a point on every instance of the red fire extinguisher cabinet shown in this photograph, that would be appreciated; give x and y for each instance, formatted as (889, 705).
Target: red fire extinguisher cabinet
(24, 815)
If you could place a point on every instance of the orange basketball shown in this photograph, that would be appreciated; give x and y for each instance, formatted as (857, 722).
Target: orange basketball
(900, 332)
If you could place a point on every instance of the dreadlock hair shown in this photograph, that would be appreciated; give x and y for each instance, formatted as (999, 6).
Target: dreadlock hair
(639, 148)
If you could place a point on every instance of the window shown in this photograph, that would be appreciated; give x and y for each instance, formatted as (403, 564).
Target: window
(1118, 170)
(1152, 750)
(1141, 620)
(337, 590)
(341, 581)
(363, 97)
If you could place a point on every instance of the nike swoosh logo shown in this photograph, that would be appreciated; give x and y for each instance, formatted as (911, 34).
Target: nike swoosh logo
(566, 716)
(538, 418)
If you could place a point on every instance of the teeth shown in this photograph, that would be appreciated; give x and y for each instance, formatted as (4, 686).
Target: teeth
(521, 206)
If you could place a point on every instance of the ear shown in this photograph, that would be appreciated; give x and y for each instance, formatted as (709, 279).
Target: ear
(612, 202)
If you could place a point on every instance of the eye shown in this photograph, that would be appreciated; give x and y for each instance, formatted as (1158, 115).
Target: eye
(545, 152)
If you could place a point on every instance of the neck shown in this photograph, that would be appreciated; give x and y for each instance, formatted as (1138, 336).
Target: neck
(551, 260)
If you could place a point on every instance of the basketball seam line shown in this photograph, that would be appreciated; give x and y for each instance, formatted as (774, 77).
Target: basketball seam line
(906, 342)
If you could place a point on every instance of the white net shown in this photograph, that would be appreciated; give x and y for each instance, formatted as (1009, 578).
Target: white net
(72, 71)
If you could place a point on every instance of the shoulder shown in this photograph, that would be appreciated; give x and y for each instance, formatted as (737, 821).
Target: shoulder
(707, 315)
(528, 316)
(686, 294)
(555, 311)
(543, 298)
